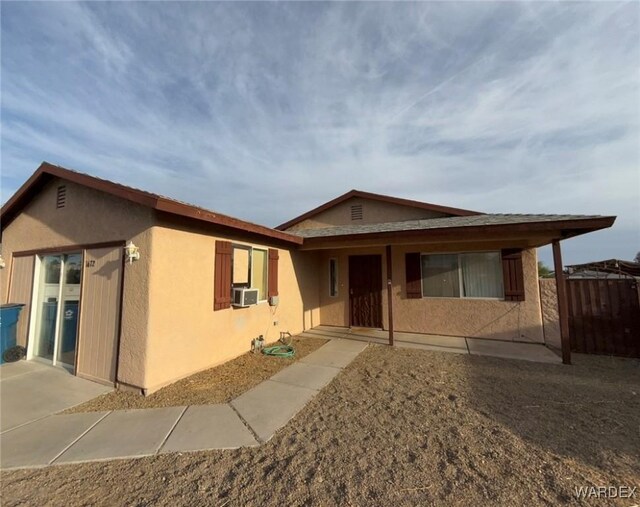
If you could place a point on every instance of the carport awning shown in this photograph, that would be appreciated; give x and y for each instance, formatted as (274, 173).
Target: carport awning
(526, 231)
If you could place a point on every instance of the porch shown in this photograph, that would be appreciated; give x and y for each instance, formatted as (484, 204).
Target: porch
(536, 352)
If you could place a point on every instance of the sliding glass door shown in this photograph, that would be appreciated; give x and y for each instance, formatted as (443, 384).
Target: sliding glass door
(57, 309)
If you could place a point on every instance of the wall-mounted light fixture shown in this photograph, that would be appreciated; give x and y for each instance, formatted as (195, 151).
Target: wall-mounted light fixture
(131, 252)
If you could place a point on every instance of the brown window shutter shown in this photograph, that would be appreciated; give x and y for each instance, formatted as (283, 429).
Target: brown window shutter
(222, 276)
(413, 275)
(513, 275)
(273, 272)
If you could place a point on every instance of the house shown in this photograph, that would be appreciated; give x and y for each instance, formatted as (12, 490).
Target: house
(131, 288)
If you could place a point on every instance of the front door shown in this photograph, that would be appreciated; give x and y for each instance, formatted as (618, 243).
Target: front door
(365, 290)
(56, 309)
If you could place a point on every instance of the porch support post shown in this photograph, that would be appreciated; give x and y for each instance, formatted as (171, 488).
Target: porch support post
(390, 293)
(563, 306)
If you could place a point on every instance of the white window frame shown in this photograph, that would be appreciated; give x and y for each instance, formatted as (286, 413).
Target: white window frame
(460, 282)
(251, 248)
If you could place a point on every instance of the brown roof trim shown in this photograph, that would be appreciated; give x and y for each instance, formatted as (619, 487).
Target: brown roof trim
(46, 171)
(377, 197)
(564, 228)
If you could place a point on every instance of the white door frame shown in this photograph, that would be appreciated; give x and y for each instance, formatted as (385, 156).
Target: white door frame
(33, 327)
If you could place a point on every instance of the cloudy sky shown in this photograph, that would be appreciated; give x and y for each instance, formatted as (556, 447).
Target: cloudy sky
(265, 110)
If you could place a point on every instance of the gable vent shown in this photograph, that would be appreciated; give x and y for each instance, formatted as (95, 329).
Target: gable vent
(61, 199)
(356, 212)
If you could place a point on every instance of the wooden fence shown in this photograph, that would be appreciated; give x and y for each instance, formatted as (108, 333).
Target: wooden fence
(604, 316)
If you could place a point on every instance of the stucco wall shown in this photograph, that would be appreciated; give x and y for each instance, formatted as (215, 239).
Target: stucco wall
(550, 317)
(483, 318)
(373, 212)
(186, 335)
(90, 217)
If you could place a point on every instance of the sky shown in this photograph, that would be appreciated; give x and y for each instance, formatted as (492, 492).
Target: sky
(265, 110)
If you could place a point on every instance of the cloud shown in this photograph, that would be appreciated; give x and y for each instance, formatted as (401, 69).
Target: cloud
(264, 110)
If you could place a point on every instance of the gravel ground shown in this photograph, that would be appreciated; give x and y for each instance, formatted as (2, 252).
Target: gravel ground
(399, 427)
(215, 385)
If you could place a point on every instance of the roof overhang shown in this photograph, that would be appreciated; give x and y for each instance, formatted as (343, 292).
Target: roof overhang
(46, 172)
(524, 235)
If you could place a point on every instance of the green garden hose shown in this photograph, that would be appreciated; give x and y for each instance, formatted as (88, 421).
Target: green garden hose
(279, 351)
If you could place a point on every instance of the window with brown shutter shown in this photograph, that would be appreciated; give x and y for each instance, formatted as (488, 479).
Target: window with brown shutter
(513, 275)
(273, 272)
(222, 276)
(413, 275)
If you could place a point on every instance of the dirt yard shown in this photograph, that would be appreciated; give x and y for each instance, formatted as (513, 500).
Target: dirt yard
(215, 385)
(400, 427)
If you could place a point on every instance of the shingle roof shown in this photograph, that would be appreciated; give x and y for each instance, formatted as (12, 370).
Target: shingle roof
(438, 223)
(155, 201)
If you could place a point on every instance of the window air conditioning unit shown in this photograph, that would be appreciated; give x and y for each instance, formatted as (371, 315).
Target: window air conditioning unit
(244, 297)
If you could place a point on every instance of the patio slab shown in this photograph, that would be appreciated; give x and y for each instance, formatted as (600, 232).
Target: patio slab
(207, 427)
(9, 370)
(309, 375)
(270, 405)
(124, 434)
(527, 351)
(38, 444)
(33, 391)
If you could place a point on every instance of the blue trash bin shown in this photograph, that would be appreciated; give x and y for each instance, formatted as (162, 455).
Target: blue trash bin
(9, 315)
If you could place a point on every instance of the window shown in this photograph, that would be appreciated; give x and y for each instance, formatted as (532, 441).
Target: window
(249, 269)
(241, 266)
(333, 277)
(467, 275)
(259, 273)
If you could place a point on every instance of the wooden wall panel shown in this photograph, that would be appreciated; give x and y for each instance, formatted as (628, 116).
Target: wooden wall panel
(100, 314)
(20, 291)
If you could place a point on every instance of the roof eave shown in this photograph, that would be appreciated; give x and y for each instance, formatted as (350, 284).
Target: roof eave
(561, 230)
(46, 170)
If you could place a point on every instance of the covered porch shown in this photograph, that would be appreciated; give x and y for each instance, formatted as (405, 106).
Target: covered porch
(456, 284)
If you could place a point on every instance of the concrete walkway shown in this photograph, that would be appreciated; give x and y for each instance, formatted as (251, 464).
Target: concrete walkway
(249, 420)
(536, 352)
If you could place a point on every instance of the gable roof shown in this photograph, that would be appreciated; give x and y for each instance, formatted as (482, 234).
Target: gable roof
(377, 197)
(46, 172)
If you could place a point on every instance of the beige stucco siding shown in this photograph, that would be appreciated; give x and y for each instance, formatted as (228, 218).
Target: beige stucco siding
(186, 335)
(484, 318)
(89, 217)
(373, 212)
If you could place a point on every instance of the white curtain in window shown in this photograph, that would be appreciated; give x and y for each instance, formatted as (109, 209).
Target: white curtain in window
(440, 276)
(482, 275)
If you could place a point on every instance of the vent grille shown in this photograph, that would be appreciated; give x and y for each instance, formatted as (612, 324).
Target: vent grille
(61, 199)
(356, 212)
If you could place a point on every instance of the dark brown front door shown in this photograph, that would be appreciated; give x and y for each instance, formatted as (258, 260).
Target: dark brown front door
(365, 290)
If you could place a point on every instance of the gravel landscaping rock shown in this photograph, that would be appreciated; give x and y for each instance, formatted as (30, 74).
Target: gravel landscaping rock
(215, 385)
(400, 427)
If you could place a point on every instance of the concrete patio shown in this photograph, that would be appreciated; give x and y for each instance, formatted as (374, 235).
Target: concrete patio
(536, 352)
(30, 390)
